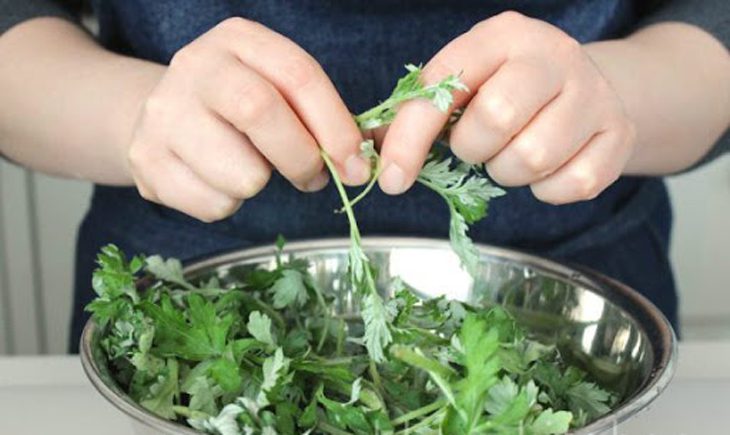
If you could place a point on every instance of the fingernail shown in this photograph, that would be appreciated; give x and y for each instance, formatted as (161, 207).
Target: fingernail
(318, 182)
(357, 170)
(393, 179)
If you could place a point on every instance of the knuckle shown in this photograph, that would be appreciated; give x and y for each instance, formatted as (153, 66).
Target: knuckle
(468, 152)
(547, 196)
(253, 101)
(586, 183)
(220, 210)
(511, 17)
(497, 112)
(189, 56)
(630, 133)
(309, 167)
(136, 155)
(496, 173)
(145, 193)
(533, 158)
(254, 183)
(567, 45)
(158, 108)
(232, 24)
(301, 71)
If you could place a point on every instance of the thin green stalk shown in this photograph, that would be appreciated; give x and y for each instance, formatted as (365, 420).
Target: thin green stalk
(388, 104)
(354, 230)
(367, 189)
(426, 422)
(267, 309)
(325, 333)
(339, 347)
(373, 369)
(416, 413)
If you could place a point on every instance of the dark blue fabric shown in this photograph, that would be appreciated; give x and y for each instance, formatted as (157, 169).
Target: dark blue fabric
(362, 45)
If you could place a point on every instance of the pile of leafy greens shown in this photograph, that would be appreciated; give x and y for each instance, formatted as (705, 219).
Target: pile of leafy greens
(267, 354)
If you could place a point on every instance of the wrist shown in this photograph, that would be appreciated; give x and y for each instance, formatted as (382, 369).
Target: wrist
(673, 79)
(139, 78)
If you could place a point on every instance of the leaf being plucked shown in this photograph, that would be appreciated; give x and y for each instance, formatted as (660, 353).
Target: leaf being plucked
(376, 317)
(289, 290)
(409, 87)
(467, 193)
(357, 262)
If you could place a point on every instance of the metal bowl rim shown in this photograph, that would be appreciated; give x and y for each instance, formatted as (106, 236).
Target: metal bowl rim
(662, 371)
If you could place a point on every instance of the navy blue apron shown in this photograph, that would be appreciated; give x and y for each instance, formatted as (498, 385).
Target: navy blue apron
(362, 45)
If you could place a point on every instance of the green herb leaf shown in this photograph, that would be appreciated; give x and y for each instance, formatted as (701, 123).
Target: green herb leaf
(467, 194)
(275, 369)
(289, 290)
(259, 326)
(550, 422)
(167, 270)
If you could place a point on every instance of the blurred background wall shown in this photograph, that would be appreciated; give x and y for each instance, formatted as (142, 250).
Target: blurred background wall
(39, 216)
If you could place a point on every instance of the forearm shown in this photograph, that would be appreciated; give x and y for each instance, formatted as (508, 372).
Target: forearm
(674, 80)
(68, 105)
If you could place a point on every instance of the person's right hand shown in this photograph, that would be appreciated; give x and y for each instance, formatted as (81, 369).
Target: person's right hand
(234, 103)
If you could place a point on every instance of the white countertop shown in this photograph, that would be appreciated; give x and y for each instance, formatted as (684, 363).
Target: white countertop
(50, 395)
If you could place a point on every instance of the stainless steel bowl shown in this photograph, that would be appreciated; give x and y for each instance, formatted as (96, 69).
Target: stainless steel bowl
(609, 329)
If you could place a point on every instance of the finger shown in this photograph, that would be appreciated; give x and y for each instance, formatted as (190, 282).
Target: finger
(555, 135)
(220, 155)
(254, 107)
(305, 85)
(502, 107)
(597, 166)
(168, 181)
(418, 123)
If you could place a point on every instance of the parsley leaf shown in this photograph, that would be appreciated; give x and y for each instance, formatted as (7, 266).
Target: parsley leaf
(467, 194)
(167, 270)
(259, 326)
(275, 372)
(289, 290)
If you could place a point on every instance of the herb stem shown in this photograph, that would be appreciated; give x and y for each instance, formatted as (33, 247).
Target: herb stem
(354, 230)
(362, 119)
(431, 407)
(325, 333)
(367, 189)
(428, 421)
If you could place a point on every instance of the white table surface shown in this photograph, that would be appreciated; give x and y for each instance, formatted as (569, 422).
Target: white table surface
(50, 395)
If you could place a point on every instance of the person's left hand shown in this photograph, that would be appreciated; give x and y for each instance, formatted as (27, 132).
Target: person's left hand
(539, 113)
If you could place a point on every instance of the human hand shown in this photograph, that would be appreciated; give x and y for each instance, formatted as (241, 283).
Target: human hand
(540, 113)
(234, 103)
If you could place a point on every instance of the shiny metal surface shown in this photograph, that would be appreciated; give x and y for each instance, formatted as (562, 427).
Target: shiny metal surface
(601, 325)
